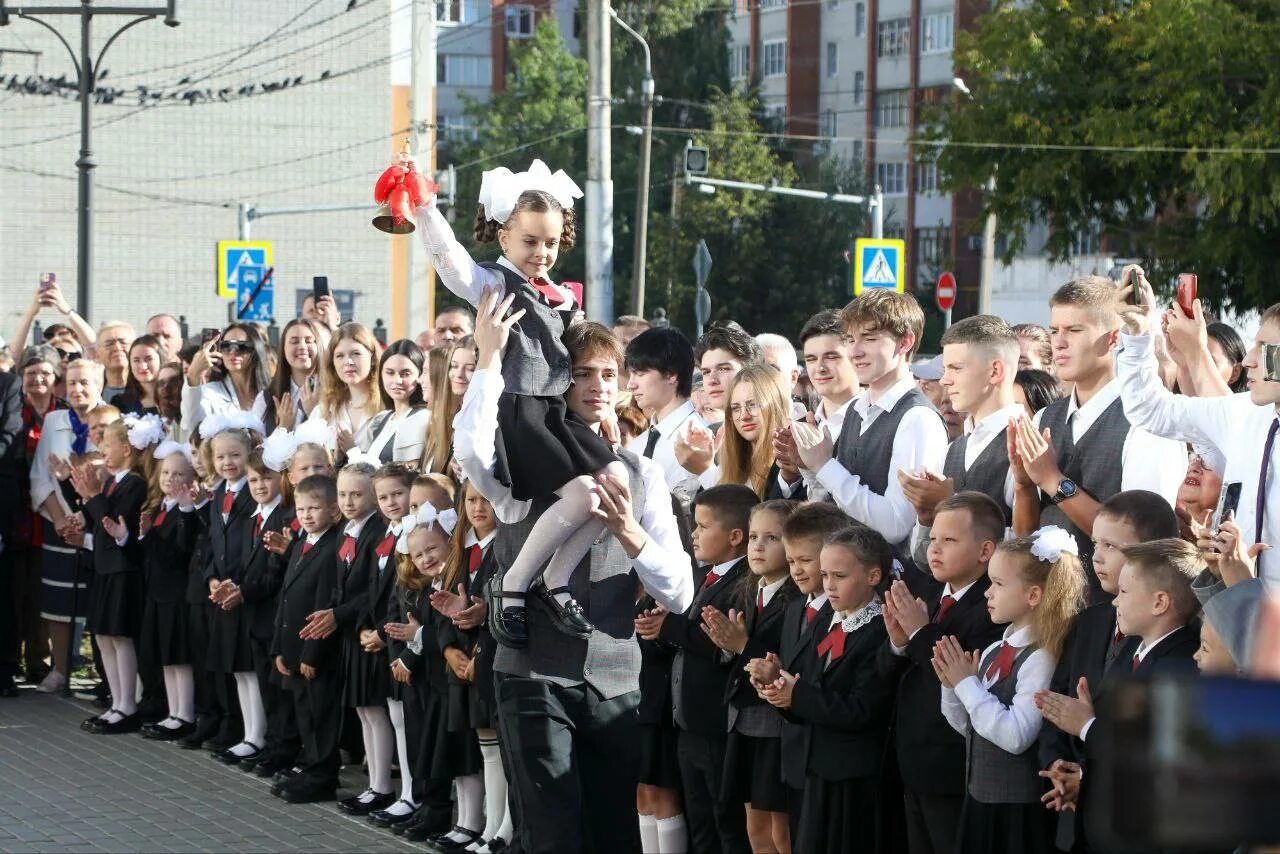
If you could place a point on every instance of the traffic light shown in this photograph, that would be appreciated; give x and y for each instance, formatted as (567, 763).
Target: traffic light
(696, 159)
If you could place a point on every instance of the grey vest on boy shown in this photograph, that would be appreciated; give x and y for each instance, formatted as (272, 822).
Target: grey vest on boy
(996, 776)
(605, 585)
(535, 362)
(987, 474)
(1095, 464)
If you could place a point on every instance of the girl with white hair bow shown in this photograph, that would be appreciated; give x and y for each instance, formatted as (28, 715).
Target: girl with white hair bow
(542, 452)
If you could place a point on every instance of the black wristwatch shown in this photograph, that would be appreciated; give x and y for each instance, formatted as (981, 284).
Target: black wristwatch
(1066, 489)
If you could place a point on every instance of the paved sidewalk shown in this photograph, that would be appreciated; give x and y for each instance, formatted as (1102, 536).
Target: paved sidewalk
(64, 790)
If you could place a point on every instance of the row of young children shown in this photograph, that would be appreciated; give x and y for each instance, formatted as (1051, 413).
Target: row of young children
(863, 715)
(320, 594)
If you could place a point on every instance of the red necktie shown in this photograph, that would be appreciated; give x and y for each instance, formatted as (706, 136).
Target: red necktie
(385, 546)
(306, 547)
(257, 526)
(759, 601)
(999, 668)
(474, 558)
(160, 518)
(348, 551)
(228, 498)
(809, 613)
(295, 525)
(944, 606)
(1118, 636)
(547, 291)
(833, 643)
(710, 580)
(111, 487)
(1137, 659)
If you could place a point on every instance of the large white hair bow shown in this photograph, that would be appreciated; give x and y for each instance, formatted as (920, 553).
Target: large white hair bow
(144, 430)
(1051, 542)
(224, 421)
(277, 449)
(426, 515)
(356, 457)
(168, 448)
(315, 431)
(499, 188)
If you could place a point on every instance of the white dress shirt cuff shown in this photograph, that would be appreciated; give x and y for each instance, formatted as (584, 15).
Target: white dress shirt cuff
(415, 645)
(1084, 730)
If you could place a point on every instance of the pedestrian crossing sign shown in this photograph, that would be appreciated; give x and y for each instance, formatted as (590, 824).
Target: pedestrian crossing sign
(241, 262)
(879, 263)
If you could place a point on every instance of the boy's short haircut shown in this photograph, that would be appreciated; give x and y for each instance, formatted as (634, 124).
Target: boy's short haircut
(1095, 293)
(731, 338)
(463, 310)
(985, 515)
(989, 334)
(883, 310)
(589, 339)
(826, 322)
(1170, 565)
(318, 486)
(364, 469)
(666, 351)
(814, 519)
(731, 504)
(868, 546)
(395, 471)
(1271, 314)
(1146, 512)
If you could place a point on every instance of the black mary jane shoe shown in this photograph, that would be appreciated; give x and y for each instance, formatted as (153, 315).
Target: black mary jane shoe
(155, 732)
(385, 818)
(509, 624)
(445, 845)
(127, 724)
(270, 766)
(355, 806)
(230, 757)
(568, 618)
(423, 827)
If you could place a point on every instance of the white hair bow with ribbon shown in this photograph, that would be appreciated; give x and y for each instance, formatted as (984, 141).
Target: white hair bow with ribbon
(426, 515)
(499, 188)
(278, 449)
(168, 448)
(237, 420)
(356, 457)
(1050, 543)
(144, 430)
(315, 431)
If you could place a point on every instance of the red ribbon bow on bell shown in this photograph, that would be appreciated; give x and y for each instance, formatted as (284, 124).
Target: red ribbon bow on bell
(400, 190)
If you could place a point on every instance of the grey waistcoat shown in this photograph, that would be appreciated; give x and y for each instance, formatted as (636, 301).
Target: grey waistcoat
(996, 776)
(867, 454)
(1094, 464)
(605, 585)
(987, 474)
(535, 362)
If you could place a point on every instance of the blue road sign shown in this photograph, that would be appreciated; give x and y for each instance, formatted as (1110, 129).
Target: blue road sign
(234, 258)
(879, 263)
(256, 284)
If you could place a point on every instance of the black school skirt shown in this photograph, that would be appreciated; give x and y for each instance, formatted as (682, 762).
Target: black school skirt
(366, 676)
(841, 817)
(659, 761)
(753, 773)
(166, 638)
(229, 647)
(541, 446)
(116, 602)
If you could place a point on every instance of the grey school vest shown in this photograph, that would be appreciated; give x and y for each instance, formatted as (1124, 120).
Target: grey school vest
(996, 776)
(987, 474)
(1095, 464)
(535, 362)
(867, 454)
(605, 585)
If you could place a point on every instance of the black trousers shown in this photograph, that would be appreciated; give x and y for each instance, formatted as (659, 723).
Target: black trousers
(574, 758)
(8, 618)
(933, 822)
(317, 704)
(715, 827)
(283, 742)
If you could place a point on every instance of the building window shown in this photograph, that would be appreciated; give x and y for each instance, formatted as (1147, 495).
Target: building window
(773, 58)
(519, 22)
(858, 151)
(739, 61)
(893, 38)
(459, 11)
(932, 249)
(1086, 241)
(927, 179)
(936, 33)
(859, 88)
(453, 70)
(859, 19)
(456, 128)
(833, 59)
(891, 108)
(892, 177)
(828, 125)
(772, 4)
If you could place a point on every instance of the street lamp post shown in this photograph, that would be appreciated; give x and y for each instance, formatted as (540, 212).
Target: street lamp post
(642, 196)
(87, 74)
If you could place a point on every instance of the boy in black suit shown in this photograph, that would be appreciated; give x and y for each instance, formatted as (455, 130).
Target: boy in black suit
(721, 520)
(930, 754)
(310, 667)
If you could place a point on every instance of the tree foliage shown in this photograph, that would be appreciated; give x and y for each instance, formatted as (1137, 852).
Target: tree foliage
(1145, 118)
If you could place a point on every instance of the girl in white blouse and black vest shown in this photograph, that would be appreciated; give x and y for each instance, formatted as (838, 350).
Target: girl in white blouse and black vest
(1038, 587)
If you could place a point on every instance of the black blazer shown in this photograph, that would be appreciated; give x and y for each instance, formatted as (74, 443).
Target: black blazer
(264, 572)
(125, 502)
(475, 642)
(308, 587)
(167, 552)
(796, 646)
(764, 635)
(706, 671)
(1171, 656)
(655, 673)
(380, 584)
(846, 706)
(351, 588)
(197, 587)
(12, 436)
(931, 755)
(773, 490)
(226, 555)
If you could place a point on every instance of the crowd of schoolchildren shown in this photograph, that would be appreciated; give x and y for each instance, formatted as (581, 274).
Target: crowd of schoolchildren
(914, 580)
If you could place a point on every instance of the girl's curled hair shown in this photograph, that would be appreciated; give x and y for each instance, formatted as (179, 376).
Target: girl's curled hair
(534, 201)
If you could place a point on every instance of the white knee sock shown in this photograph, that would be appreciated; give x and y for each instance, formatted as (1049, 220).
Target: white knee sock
(673, 836)
(127, 673)
(379, 749)
(107, 649)
(252, 713)
(552, 530)
(649, 835)
(470, 801)
(170, 692)
(495, 783)
(185, 681)
(395, 708)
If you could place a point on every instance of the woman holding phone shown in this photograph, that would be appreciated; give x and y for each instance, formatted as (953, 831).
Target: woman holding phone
(295, 388)
(227, 374)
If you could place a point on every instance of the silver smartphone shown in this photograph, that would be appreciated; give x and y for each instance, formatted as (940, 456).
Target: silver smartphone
(1271, 362)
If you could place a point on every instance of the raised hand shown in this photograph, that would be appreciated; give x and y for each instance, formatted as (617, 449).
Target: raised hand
(145, 521)
(276, 542)
(493, 328)
(952, 664)
(813, 445)
(910, 613)
(449, 604)
(1135, 319)
(729, 632)
(405, 631)
(320, 624)
(649, 623)
(1037, 456)
(115, 528)
(695, 447)
(1236, 562)
(897, 636)
(778, 693)
(1068, 714)
(473, 615)
(59, 467)
(763, 671)
(286, 414)
(926, 491)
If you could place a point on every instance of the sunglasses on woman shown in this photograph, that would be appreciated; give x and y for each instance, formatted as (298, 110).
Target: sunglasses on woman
(242, 347)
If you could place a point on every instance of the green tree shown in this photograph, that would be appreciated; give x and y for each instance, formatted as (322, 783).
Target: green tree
(1154, 120)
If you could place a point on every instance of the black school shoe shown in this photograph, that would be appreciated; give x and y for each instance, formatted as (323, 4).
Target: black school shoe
(155, 732)
(355, 806)
(445, 845)
(269, 766)
(568, 618)
(383, 818)
(307, 791)
(509, 624)
(424, 826)
(205, 730)
(127, 724)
